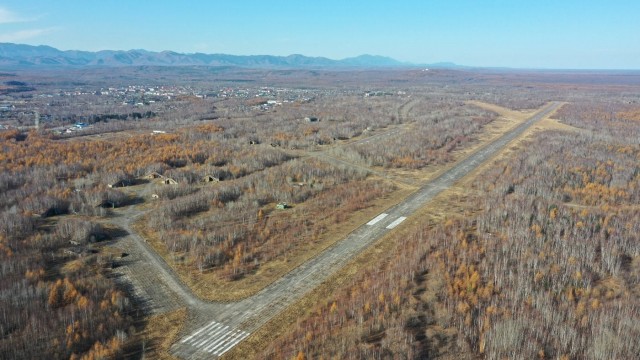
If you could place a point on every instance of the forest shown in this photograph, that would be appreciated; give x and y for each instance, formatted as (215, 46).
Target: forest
(544, 261)
(539, 259)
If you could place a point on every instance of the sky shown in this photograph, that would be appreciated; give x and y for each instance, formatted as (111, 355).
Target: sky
(559, 34)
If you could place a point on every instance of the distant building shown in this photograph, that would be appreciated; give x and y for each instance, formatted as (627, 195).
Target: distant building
(153, 175)
(210, 178)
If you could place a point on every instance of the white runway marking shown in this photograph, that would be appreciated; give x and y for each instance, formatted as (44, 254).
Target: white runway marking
(213, 323)
(215, 338)
(377, 218)
(396, 222)
(239, 337)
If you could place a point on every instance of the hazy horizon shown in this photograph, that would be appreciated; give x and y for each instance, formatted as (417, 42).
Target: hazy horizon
(540, 35)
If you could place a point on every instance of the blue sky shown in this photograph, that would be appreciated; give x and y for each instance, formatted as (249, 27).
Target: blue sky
(524, 34)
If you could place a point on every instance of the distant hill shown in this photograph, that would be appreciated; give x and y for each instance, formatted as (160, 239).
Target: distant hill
(18, 55)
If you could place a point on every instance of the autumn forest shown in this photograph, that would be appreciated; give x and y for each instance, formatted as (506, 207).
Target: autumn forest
(228, 181)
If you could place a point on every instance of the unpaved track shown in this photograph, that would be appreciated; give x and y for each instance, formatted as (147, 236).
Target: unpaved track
(215, 328)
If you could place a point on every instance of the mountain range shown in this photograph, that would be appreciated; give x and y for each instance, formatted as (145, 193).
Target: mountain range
(20, 55)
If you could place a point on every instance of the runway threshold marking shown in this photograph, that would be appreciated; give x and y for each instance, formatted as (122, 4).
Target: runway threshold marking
(396, 222)
(377, 219)
(215, 338)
